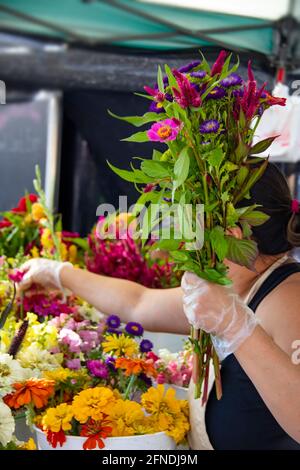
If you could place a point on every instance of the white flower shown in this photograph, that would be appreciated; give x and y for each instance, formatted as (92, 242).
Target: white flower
(167, 356)
(7, 424)
(90, 313)
(11, 371)
(34, 357)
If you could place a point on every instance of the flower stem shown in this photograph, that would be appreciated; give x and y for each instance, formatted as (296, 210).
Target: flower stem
(129, 387)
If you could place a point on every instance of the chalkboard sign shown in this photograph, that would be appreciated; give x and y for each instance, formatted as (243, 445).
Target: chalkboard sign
(24, 142)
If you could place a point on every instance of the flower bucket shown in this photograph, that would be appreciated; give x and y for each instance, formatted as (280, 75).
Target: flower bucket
(156, 441)
(23, 431)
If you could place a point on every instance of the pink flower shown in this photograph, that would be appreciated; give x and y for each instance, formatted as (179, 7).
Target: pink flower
(161, 379)
(97, 368)
(73, 364)
(187, 95)
(163, 131)
(16, 275)
(249, 102)
(218, 65)
(70, 339)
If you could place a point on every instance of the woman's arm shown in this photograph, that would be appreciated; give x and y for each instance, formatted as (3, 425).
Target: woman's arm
(268, 362)
(156, 309)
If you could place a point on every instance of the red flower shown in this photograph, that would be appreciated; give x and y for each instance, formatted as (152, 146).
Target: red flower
(218, 65)
(249, 102)
(5, 223)
(274, 100)
(22, 205)
(55, 438)
(187, 95)
(95, 431)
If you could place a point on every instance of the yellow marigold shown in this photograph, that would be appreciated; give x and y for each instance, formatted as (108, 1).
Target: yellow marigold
(46, 239)
(29, 445)
(179, 429)
(92, 403)
(72, 255)
(58, 418)
(125, 417)
(120, 345)
(37, 211)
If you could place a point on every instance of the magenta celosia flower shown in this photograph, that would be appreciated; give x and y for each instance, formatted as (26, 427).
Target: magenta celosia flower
(73, 364)
(187, 95)
(218, 65)
(163, 131)
(97, 368)
(16, 275)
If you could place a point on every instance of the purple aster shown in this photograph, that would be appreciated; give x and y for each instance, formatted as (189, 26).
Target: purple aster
(192, 65)
(113, 331)
(232, 80)
(97, 368)
(216, 94)
(238, 92)
(156, 107)
(146, 380)
(134, 328)
(113, 321)
(210, 126)
(110, 362)
(146, 346)
(199, 74)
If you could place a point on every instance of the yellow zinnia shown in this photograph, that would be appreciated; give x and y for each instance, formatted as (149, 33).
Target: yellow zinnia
(58, 418)
(125, 416)
(37, 211)
(29, 445)
(120, 345)
(92, 403)
(156, 401)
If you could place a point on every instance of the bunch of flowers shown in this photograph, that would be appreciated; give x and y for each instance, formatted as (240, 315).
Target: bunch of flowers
(101, 412)
(206, 116)
(174, 368)
(126, 258)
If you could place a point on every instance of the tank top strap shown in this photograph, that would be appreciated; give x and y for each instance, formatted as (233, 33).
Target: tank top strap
(277, 276)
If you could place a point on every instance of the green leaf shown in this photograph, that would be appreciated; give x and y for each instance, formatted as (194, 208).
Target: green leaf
(215, 157)
(242, 252)
(181, 168)
(137, 121)
(81, 242)
(255, 218)
(254, 176)
(218, 242)
(155, 169)
(242, 175)
(135, 176)
(160, 80)
(168, 245)
(263, 145)
(179, 256)
(137, 137)
(156, 155)
(171, 78)
(247, 232)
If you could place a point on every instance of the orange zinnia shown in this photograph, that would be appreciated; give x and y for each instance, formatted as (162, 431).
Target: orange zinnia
(36, 391)
(135, 366)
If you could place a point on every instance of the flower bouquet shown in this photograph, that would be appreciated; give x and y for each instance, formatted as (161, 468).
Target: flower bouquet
(197, 188)
(174, 368)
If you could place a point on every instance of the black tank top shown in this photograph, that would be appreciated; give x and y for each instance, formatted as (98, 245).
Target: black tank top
(241, 420)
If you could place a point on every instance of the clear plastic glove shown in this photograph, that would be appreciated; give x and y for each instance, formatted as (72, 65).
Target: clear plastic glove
(218, 310)
(45, 272)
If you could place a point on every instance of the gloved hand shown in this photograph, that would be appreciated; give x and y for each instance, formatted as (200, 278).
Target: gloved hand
(218, 310)
(42, 271)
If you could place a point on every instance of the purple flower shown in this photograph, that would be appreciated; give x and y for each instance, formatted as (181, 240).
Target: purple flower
(199, 74)
(134, 328)
(187, 95)
(110, 362)
(165, 130)
(216, 94)
(145, 379)
(210, 126)
(146, 345)
(232, 80)
(113, 321)
(190, 66)
(113, 331)
(97, 368)
(238, 92)
(156, 107)
(74, 364)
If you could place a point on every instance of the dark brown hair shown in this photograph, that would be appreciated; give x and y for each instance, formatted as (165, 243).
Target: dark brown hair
(282, 231)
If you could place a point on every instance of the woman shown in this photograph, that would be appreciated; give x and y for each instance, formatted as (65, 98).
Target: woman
(260, 407)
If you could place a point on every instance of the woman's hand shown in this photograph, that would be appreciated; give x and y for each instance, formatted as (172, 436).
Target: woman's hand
(42, 271)
(218, 310)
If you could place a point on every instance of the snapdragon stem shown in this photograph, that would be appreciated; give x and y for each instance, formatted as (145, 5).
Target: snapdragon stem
(129, 387)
